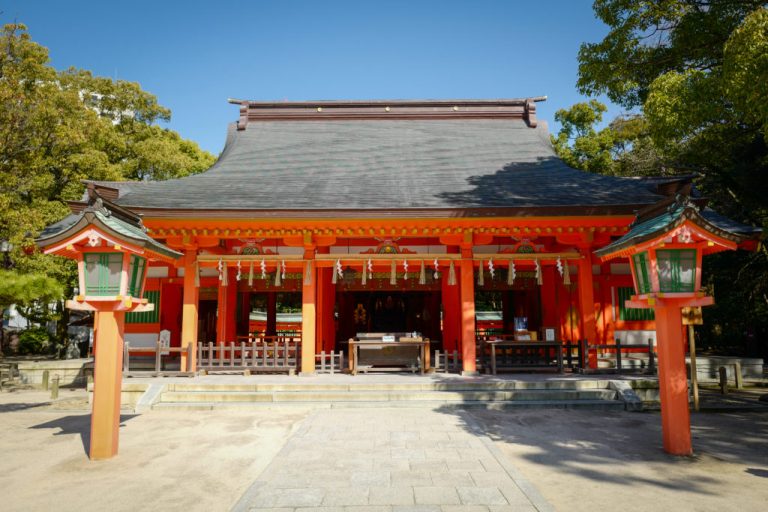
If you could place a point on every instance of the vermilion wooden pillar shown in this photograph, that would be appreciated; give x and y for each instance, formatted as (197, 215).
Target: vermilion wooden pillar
(675, 416)
(326, 298)
(107, 383)
(548, 301)
(189, 311)
(587, 304)
(451, 314)
(231, 318)
(468, 351)
(308, 319)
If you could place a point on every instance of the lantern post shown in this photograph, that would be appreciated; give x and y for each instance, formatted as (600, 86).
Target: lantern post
(112, 251)
(665, 249)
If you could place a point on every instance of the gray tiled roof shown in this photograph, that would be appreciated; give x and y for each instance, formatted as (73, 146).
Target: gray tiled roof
(388, 164)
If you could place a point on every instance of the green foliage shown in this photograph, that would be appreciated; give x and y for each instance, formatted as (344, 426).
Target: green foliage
(58, 128)
(26, 290)
(622, 148)
(698, 70)
(34, 341)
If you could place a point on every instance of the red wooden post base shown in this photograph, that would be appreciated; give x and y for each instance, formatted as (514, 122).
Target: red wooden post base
(673, 381)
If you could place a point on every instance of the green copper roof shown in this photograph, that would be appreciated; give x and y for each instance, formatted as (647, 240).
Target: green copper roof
(110, 218)
(679, 211)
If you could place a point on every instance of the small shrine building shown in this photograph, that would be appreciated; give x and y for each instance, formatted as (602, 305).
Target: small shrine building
(449, 218)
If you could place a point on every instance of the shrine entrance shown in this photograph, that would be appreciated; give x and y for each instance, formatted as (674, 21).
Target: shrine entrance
(388, 311)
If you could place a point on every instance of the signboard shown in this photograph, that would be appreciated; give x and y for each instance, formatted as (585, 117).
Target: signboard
(692, 316)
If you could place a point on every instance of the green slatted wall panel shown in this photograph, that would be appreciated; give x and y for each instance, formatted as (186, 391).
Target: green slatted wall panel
(149, 317)
(632, 314)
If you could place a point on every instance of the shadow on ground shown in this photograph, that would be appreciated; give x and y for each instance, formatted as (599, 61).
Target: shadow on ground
(596, 445)
(77, 424)
(22, 406)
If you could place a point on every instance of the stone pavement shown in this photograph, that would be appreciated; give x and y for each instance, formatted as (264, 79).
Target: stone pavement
(390, 460)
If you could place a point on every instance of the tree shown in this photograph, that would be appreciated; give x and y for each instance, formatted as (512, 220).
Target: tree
(58, 128)
(622, 148)
(697, 69)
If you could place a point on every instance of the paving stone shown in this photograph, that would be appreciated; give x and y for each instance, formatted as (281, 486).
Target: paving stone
(481, 496)
(411, 478)
(436, 496)
(370, 478)
(429, 465)
(392, 464)
(491, 465)
(464, 508)
(319, 509)
(490, 478)
(416, 508)
(277, 498)
(514, 495)
(395, 495)
(369, 508)
(404, 436)
(452, 478)
(466, 465)
(410, 454)
(346, 496)
(377, 460)
(523, 507)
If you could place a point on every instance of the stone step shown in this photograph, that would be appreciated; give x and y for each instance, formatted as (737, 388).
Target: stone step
(605, 405)
(505, 385)
(388, 396)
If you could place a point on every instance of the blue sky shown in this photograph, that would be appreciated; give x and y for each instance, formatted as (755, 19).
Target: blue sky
(194, 55)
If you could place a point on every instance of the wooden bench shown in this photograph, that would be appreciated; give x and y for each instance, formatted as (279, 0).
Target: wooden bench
(388, 352)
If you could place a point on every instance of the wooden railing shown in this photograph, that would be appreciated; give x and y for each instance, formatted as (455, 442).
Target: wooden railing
(329, 362)
(617, 349)
(448, 362)
(159, 351)
(277, 354)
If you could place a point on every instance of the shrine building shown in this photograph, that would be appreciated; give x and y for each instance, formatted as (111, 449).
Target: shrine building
(451, 219)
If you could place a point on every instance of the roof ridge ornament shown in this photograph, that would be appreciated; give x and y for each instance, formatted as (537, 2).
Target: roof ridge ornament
(683, 201)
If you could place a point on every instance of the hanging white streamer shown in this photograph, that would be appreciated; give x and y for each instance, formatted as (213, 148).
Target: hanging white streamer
(405, 269)
(436, 275)
(451, 275)
(560, 266)
(283, 269)
(239, 272)
(511, 274)
(491, 269)
(263, 269)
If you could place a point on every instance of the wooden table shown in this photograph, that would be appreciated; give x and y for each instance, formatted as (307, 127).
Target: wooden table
(526, 355)
(391, 355)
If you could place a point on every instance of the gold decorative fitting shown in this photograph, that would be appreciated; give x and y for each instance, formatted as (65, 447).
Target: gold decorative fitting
(319, 109)
(455, 109)
(386, 109)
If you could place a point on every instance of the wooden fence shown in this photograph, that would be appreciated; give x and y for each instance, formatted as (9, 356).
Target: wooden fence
(160, 350)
